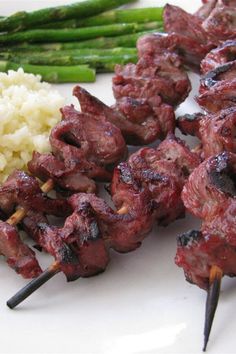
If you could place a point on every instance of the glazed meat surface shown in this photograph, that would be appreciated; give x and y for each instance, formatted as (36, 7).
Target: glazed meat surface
(18, 255)
(139, 121)
(218, 88)
(210, 194)
(77, 246)
(223, 54)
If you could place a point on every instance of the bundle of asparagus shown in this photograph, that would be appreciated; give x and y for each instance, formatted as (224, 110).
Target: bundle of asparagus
(69, 43)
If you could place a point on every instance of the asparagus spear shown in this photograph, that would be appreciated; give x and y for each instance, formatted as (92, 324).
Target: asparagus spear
(66, 35)
(141, 15)
(22, 20)
(54, 74)
(34, 55)
(103, 63)
(127, 40)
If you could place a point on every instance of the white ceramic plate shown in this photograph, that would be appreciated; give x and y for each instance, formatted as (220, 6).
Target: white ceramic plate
(140, 304)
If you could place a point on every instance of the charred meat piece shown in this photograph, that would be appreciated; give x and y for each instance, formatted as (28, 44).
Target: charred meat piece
(100, 140)
(85, 147)
(152, 76)
(178, 21)
(18, 255)
(210, 193)
(218, 88)
(189, 124)
(77, 246)
(46, 166)
(198, 251)
(126, 192)
(217, 132)
(190, 52)
(209, 5)
(86, 142)
(223, 54)
(209, 185)
(164, 171)
(24, 190)
(139, 121)
(221, 23)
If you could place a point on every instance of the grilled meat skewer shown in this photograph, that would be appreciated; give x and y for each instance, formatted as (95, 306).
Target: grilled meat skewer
(210, 194)
(139, 189)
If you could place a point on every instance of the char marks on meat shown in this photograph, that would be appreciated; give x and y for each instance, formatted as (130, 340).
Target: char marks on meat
(152, 76)
(217, 132)
(164, 171)
(210, 194)
(218, 88)
(223, 54)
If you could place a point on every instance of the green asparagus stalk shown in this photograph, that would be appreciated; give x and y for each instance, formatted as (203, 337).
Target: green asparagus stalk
(66, 35)
(104, 63)
(127, 40)
(69, 52)
(141, 15)
(54, 74)
(22, 20)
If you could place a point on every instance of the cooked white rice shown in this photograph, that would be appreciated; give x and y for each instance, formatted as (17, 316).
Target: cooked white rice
(29, 109)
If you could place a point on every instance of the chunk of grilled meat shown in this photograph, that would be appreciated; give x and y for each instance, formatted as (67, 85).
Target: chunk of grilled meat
(81, 245)
(223, 54)
(218, 88)
(164, 171)
(21, 189)
(190, 52)
(139, 121)
(189, 124)
(209, 5)
(46, 166)
(221, 23)
(85, 147)
(217, 132)
(187, 25)
(131, 227)
(210, 194)
(18, 255)
(192, 42)
(100, 141)
(152, 76)
(77, 246)
(204, 11)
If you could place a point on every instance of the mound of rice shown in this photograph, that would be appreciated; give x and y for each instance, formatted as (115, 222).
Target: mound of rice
(29, 109)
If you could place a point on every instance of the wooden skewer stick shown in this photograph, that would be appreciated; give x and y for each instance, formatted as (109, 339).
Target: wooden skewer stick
(32, 286)
(36, 283)
(212, 301)
(21, 212)
(46, 275)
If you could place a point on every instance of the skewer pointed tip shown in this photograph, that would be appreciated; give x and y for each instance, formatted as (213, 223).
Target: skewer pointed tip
(32, 286)
(212, 301)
